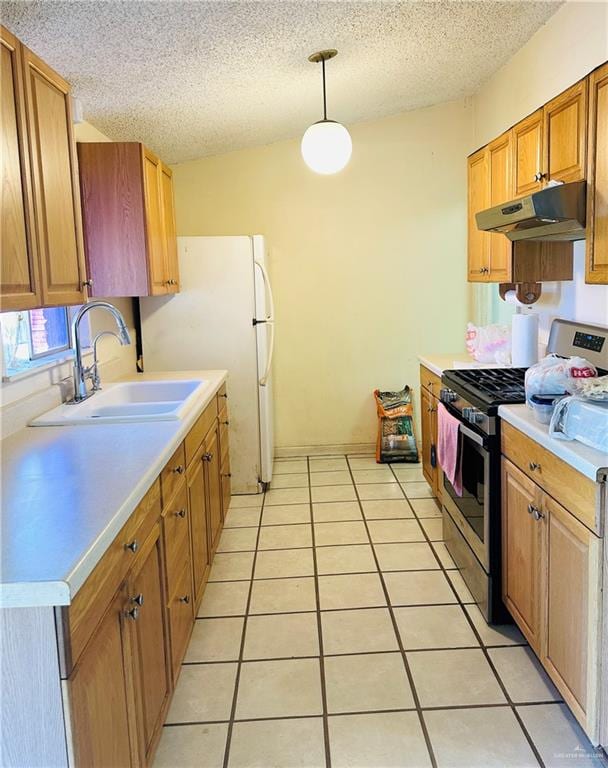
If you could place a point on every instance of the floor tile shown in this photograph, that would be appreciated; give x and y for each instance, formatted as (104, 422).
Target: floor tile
(436, 626)
(387, 531)
(282, 635)
(285, 536)
(336, 511)
(328, 465)
(454, 678)
(289, 466)
(444, 556)
(433, 527)
(246, 500)
(559, 738)
(284, 562)
(204, 692)
(478, 738)
(283, 595)
(379, 491)
(367, 682)
(501, 634)
(381, 475)
(238, 540)
(370, 629)
(408, 474)
(522, 675)
(359, 590)
(333, 493)
(386, 509)
(460, 586)
(231, 566)
(340, 533)
(228, 598)
(278, 744)
(242, 518)
(426, 508)
(215, 640)
(192, 746)
(386, 740)
(287, 496)
(279, 689)
(418, 588)
(406, 557)
(285, 514)
(357, 558)
(417, 489)
(339, 477)
(364, 462)
(295, 480)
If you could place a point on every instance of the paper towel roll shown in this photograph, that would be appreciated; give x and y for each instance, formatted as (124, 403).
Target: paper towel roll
(524, 339)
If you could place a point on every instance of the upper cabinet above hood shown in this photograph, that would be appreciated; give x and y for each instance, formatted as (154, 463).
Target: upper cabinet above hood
(553, 213)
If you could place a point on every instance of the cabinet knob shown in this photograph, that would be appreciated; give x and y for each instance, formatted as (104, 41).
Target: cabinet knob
(138, 599)
(132, 613)
(227, 474)
(534, 466)
(225, 394)
(536, 513)
(226, 423)
(133, 545)
(539, 176)
(430, 409)
(87, 283)
(179, 470)
(185, 599)
(207, 456)
(180, 513)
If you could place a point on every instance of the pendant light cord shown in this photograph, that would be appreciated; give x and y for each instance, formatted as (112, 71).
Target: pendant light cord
(324, 92)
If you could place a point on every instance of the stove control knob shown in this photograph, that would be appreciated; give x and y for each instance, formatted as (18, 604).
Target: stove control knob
(447, 396)
(472, 415)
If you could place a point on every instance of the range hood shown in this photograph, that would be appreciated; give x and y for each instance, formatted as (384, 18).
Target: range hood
(553, 213)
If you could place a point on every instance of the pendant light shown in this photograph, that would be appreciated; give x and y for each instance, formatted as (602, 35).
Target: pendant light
(326, 145)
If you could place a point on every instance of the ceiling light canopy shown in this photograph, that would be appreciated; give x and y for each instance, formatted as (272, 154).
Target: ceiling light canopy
(326, 145)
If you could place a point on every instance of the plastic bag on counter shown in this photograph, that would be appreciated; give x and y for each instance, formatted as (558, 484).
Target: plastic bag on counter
(554, 375)
(396, 440)
(584, 420)
(590, 389)
(489, 343)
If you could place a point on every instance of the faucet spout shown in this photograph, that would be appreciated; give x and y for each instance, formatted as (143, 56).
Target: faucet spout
(80, 375)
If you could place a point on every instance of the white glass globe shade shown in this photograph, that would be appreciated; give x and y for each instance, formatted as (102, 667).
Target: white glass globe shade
(326, 147)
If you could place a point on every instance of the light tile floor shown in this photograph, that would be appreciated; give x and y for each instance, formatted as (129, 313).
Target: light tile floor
(336, 632)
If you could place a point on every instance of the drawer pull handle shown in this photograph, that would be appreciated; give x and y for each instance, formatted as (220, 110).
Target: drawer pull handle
(207, 456)
(179, 469)
(133, 546)
(132, 613)
(180, 513)
(138, 599)
(185, 599)
(534, 466)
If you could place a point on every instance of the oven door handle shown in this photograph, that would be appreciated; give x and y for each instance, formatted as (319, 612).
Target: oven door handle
(473, 436)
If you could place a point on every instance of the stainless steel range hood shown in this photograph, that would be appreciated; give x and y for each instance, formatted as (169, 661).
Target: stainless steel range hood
(554, 213)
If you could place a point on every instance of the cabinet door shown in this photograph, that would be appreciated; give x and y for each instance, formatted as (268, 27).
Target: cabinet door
(211, 458)
(149, 641)
(101, 695)
(19, 274)
(528, 154)
(565, 139)
(522, 551)
(55, 183)
(573, 603)
(478, 200)
(155, 232)
(197, 500)
(500, 169)
(597, 177)
(426, 420)
(226, 486)
(181, 617)
(170, 235)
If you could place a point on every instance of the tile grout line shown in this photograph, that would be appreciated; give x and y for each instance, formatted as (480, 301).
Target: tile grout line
(406, 665)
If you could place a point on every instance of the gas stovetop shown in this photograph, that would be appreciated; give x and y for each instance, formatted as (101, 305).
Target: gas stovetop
(487, 388)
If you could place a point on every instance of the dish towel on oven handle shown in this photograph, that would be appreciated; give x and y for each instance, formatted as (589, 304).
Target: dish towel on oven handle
(448, 447)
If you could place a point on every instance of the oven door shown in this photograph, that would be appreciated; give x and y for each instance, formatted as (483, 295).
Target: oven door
(471, 511)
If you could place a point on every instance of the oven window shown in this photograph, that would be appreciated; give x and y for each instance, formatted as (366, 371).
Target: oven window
(474, 477)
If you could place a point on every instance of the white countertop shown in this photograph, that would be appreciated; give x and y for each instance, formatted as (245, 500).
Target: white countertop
(589, 462)
(67, 492)
(440, 363)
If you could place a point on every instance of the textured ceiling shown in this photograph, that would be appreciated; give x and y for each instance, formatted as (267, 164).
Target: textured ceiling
(199, 78)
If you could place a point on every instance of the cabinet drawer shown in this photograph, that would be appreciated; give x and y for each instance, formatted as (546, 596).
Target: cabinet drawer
(181, 617)
(175, 535)
(199, 431)
(171, 475)
(92, 599)
(575, 491)
(430, 381)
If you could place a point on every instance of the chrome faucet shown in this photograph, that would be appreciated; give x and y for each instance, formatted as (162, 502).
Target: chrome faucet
(81, 373)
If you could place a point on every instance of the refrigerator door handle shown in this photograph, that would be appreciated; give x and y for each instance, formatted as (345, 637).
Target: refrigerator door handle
(264, 379)
(269, 321)
(268, 289)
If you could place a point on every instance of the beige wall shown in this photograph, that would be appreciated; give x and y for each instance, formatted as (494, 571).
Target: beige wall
(368, 266)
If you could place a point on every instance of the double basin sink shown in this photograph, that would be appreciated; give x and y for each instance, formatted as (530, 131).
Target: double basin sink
(128, 401)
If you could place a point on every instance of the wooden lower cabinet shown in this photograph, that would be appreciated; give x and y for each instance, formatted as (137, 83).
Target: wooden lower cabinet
(211, 457)
(429, 431)
(197, 500)
(181, 617)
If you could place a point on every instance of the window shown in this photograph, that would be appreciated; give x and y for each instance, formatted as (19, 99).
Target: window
(39, 336)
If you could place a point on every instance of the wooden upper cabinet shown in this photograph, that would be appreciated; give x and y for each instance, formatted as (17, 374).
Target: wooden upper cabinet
(128, 219)
(478, 200)
(565, 135)
(597, 178)
(528, 154)
(500, 170)
(20, 279)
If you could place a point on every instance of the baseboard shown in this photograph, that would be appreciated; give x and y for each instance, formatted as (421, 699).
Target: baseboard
(324, 450)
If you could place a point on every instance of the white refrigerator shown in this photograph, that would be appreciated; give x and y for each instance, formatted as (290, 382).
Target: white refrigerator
(223, 317)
